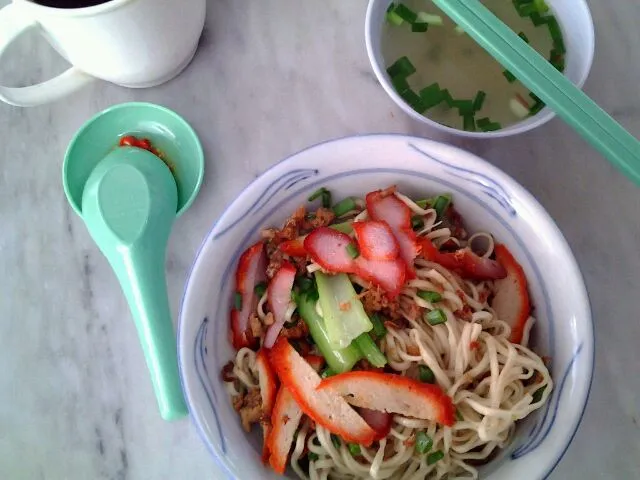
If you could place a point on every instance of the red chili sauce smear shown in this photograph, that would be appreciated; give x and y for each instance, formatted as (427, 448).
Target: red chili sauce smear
(145, 144)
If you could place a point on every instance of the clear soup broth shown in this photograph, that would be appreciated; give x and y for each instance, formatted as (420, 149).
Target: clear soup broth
(448, 56)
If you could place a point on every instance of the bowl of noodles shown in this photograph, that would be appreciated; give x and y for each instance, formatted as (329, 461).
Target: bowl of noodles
(385, 307)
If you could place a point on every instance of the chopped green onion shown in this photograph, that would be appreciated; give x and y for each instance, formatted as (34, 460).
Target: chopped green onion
(525, 7)
(431, 95)
(536, 108)
(523, 37)
(538, 19)
(468, 123)
(344, 227)
(555, 53)
(541, 6)
(424, 17)
(335, 440)
(538, 104)
(379, 330)
(478, 101)
(482, 122)
(509, 76)
(459, 30)
(413, 99)
(429, 296)
(237, 300)
(400, 83)
(417, 222)
(392, 16)
(260, 289)
(492, 127)
(419, 27)
(352, 250)
(446, 95)
(327, 372)
(317, 194)
(326, 199)
(405, 13)
(559, 65)
(526, 10)
(435, 317)
(425, 374)
(435, 457)
(537, 395)
(459, 416)
(441, 203)
(354, 449)
(402, 66)
(487, 125)
(344, 206)
(423, 442)
(465, 107)
(312, 456)
(557, 60)
(556, 34)
(370, 350)
(518, 109)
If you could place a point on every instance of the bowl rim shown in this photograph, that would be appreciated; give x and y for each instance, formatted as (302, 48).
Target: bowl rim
(539, 119)
(590, 338)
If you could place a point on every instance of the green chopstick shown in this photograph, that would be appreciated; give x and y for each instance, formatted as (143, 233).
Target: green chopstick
(553, 88)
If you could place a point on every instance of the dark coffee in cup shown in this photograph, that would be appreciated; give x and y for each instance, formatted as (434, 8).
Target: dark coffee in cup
(69, 3)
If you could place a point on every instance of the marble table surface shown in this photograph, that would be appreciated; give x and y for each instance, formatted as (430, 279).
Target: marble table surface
(269, 79)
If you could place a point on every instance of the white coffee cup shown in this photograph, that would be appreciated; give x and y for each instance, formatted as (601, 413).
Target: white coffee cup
(132, 43)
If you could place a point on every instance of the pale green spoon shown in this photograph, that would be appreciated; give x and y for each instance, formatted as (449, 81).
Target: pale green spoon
(129, 198)
(129, 204)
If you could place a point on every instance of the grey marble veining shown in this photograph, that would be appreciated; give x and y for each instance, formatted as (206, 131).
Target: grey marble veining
(269, 79)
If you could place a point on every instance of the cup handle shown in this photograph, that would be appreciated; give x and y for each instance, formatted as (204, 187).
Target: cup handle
(14, 22)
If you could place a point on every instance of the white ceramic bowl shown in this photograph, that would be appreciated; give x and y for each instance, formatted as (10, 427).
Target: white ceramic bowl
(488, 199)
(579, 36)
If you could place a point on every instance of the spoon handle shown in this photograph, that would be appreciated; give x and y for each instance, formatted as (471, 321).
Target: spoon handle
(140, 270)
(128, 205)
(533, 70)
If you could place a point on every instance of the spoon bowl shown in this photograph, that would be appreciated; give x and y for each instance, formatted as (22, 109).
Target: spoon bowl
(128, 205)
(166, 130)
